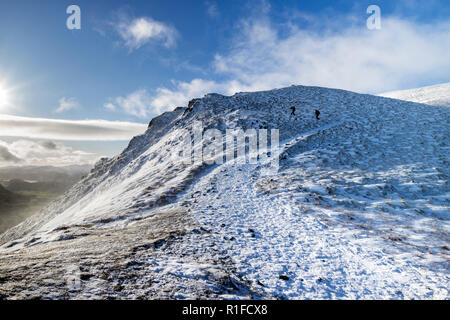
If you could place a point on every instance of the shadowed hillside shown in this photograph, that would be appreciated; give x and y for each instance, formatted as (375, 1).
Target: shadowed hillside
(25, 190)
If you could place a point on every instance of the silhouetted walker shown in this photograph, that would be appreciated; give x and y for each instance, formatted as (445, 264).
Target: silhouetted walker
(317, 114)
(293, 111)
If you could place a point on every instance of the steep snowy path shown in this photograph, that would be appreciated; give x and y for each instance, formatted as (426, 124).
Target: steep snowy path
(293, 250)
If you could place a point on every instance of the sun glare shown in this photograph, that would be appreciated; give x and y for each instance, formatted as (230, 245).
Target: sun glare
(4, 96)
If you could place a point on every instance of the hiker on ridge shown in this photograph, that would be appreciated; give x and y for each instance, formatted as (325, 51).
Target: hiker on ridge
(293, 111)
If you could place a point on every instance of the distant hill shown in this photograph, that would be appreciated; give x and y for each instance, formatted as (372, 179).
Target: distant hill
(25, 190)
(3, 190)
(17, 185)
(8, 198)
(44, 173)
(13, 208)
(9, 203)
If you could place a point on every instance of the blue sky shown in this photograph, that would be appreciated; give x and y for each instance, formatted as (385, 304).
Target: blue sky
(115, 69)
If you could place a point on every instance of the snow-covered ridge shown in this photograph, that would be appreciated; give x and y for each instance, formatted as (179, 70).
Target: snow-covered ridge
(437, 95)
(359, 208)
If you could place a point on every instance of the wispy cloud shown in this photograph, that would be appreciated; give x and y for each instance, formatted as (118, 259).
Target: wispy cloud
(137, 32)
(144, 105)
(66, 104)
(42, 153)
(138, 103)
(166, 99)
(75, 130)
(264, 55)
(212, 9)
(355, 58)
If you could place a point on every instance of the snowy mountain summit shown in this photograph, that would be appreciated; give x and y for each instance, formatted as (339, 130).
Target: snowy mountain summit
(355, 206)
(437, 95)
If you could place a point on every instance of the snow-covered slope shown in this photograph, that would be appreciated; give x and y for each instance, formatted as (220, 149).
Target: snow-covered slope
(358, 209)
(437, 95)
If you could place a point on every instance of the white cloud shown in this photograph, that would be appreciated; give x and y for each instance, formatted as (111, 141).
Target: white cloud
(211, 9)
(75, 130)
(42, 153)
(66, 104)
(400, 55)
(144, 105)
(165, 99)
(140, 31)
(137, 104)
(110, 106)
(355, 59)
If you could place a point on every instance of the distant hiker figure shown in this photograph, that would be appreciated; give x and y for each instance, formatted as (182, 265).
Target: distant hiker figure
(293, 111)
(317, 114)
